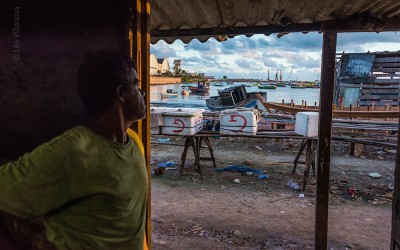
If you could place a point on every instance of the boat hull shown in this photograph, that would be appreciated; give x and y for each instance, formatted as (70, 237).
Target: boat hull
(336, 113)
(214, 102)
(169, 95)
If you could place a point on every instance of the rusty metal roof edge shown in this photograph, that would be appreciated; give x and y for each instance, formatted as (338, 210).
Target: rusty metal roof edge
(203, 34)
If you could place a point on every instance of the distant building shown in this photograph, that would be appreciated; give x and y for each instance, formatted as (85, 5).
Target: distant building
(153, 65)
(210, 78)
(177, 66)
(163, 65)
(201, 75)
(158, 66)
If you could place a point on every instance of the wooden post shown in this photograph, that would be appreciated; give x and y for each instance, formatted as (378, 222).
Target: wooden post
(305, 104)
(302, 103)
(324, 138)
(283, 102)
(139, 37)
(395, 239)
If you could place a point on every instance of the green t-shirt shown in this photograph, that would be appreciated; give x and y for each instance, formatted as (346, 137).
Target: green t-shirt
(90, 191)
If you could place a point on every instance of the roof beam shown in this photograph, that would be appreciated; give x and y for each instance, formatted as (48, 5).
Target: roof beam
(362, 24)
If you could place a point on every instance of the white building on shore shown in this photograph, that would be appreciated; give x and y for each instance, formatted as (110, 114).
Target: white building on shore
(158, 66)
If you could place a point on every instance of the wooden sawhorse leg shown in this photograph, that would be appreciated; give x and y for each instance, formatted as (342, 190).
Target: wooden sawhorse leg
(296, 160)
(207, 141)
(308, 163)
(195, 143)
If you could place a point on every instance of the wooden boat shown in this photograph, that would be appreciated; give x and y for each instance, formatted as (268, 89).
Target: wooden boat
(266, 86)
(202, 87)
(298, 86)
(293, 109)
(234, 97)
(171, 93)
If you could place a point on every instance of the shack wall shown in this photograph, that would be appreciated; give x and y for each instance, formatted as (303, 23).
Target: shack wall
(38, 98)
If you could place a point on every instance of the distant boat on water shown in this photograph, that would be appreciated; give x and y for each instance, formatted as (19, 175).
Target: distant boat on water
(202, 87)
(266, 86)
(234, 97)
(171, 93)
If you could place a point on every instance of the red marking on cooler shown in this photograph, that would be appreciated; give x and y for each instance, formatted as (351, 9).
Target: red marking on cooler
(244, 122)
(179, 122)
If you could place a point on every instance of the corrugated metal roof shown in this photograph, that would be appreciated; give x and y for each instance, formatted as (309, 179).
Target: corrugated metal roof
(169, 17)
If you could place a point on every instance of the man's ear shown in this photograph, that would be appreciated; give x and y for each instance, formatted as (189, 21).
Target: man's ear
(120, 93)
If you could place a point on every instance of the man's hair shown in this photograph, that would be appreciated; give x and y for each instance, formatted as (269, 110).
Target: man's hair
(99, 75)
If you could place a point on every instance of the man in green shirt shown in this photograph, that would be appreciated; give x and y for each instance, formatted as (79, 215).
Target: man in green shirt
(88, 186)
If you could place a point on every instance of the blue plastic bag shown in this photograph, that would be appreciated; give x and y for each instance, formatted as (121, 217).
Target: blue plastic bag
(166, 164)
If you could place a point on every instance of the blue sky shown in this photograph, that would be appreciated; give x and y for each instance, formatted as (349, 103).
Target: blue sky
(298, 55)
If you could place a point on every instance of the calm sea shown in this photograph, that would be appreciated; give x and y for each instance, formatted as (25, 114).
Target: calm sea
(198, 101)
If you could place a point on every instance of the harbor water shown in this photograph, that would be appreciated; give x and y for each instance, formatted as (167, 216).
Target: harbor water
(309, 95)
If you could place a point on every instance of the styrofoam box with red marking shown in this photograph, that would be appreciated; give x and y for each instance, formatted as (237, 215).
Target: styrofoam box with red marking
(307, 124)
(157, 120)
(157, 117)
(182, 122)
(239, 121)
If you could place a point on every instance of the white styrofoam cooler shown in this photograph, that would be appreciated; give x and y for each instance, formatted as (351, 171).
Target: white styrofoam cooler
(182, 122)
(307, 124)
(239, 121)
(156, 119)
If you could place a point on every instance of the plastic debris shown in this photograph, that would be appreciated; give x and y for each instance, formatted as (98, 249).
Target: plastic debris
(293, 185)
(242, 169)
(166, 164)
(164, 140)
(301, 195)
(258, 147)
(374, 175)
(236, 181)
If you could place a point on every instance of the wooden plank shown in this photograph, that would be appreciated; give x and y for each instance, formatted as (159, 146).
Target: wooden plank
(379, 91)
(365, 86)
(379, 97)
(379, 103)
(395, 237)
(385, 75)
(387, 65)
(324, 139)
(388, 70)
(387, 59)
(370, 80)
(139, 49)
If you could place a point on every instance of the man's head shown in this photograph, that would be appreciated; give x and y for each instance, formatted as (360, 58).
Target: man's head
(105, 78)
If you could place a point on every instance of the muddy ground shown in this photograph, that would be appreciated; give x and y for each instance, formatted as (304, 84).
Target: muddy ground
(215, 213)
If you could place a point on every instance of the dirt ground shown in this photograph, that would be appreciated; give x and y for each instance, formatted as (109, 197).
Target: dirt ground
(216, 213)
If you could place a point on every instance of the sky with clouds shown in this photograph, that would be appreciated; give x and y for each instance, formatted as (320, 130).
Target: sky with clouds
(297, 55)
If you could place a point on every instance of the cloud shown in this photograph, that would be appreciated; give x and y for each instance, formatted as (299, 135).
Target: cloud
(243, 56)
(210, 46)
(162, 50)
